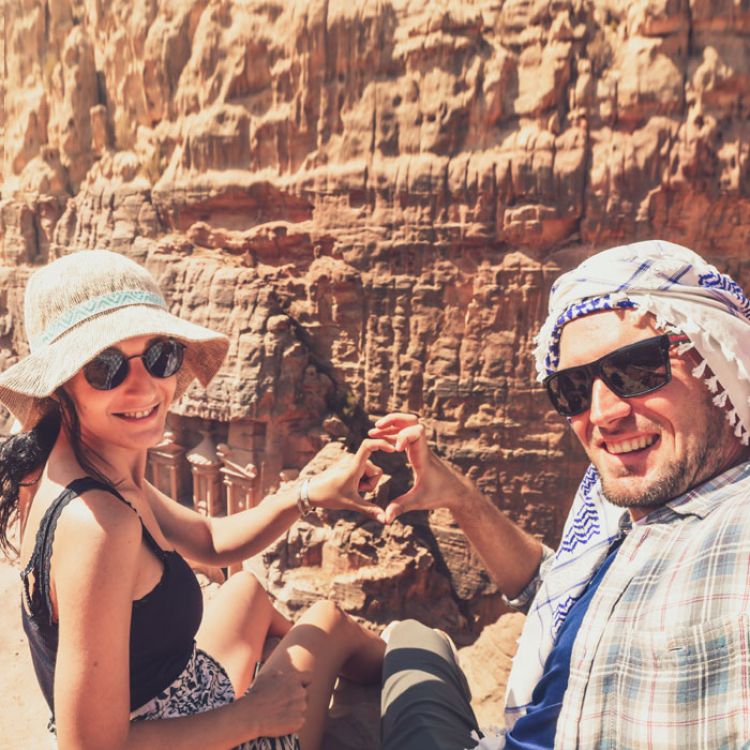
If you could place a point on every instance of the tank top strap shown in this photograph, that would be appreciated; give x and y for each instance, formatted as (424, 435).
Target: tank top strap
(88, 483)
(39, 601)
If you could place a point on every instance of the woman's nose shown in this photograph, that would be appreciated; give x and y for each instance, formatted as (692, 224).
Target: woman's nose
(138, 377)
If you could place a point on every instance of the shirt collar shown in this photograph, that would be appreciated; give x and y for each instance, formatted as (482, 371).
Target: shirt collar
(703, 499)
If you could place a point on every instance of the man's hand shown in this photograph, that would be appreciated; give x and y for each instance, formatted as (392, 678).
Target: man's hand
(340, 486)
(436, 484)
(510, 555)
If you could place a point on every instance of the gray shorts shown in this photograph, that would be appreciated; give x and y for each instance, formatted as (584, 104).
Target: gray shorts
(425, 701)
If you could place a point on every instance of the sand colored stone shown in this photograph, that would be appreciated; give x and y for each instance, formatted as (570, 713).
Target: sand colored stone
(23, 720)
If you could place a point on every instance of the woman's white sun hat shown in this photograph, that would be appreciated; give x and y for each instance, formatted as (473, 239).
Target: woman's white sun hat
(83, 303)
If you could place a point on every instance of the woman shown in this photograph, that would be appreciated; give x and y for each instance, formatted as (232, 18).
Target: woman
(123, 652)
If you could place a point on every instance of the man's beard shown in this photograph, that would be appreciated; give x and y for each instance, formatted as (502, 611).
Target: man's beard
(704, 461)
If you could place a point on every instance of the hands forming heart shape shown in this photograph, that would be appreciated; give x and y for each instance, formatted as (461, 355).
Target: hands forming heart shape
(436, 484)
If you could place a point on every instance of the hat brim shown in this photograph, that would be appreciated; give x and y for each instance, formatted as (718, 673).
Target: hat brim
(26, 386)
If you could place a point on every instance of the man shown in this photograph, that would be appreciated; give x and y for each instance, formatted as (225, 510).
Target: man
(638, 627)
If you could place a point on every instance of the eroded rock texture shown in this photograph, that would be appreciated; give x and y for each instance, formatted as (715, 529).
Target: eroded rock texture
(371, 199)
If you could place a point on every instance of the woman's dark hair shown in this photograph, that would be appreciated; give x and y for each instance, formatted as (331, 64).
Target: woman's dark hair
(22, 456)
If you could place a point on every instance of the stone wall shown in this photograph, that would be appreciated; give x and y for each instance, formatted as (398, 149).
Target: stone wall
(372, 199)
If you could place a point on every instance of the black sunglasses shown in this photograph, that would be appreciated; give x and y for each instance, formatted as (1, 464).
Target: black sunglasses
(161, 359)
(633, 370)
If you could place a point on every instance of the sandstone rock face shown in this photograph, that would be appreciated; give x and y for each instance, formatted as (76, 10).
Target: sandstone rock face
(487, 663)
(372, 199)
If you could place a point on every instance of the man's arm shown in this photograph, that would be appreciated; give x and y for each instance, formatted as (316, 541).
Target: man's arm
(511, 556)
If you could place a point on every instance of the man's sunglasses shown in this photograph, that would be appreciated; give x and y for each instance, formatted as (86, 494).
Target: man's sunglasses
(633, 370)
(161, 359)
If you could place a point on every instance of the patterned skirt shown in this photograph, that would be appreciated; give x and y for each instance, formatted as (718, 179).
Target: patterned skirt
(201, 686)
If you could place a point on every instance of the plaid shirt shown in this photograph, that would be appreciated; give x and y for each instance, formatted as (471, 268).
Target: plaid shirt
(662, 658)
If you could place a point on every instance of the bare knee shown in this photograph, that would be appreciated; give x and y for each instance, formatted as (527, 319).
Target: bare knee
(244, 588)
(244, 581)
(327, 614)
(327, 609)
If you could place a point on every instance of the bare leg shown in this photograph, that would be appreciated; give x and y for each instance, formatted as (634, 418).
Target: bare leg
(235, 626)
(324, 643)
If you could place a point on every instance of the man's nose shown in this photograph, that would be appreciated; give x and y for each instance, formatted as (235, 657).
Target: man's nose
(606, 406)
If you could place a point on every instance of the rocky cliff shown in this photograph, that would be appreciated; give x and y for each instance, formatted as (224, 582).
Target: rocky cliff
(371, 199)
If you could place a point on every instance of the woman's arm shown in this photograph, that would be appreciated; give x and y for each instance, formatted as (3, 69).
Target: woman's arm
(95, 562)
(222, 541)
(96, 551)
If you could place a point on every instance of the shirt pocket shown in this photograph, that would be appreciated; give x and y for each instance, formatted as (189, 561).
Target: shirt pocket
(688, 687)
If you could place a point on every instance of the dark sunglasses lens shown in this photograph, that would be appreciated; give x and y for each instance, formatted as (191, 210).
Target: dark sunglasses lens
(631, 371)
(637, 370)
(107, 371)
(164, 358)
(570, 391)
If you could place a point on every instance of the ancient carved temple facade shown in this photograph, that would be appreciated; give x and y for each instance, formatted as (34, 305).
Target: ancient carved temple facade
(209, 474)
(215, 468)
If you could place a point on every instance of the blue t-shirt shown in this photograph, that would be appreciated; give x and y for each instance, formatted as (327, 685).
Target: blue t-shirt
(536, 729)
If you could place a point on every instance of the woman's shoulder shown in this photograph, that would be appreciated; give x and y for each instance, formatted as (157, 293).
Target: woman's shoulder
(97, 541)
(99, 511)
(84, 517)
(85, 540)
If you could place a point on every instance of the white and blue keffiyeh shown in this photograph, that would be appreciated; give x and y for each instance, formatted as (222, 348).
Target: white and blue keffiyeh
(686, 294)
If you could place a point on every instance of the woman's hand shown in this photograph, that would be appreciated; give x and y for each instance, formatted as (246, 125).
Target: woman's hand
(277, 701)
(339, 487)
(436, 484)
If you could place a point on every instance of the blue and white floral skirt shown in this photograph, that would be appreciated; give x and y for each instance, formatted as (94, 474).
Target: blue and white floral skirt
(201, 686)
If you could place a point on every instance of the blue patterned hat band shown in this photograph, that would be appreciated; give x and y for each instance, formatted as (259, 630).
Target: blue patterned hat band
(102, 304)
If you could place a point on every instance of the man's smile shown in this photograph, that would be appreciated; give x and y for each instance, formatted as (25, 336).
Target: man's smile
(629, 445)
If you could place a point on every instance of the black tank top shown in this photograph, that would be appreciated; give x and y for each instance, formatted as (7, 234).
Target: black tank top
(163, 624)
